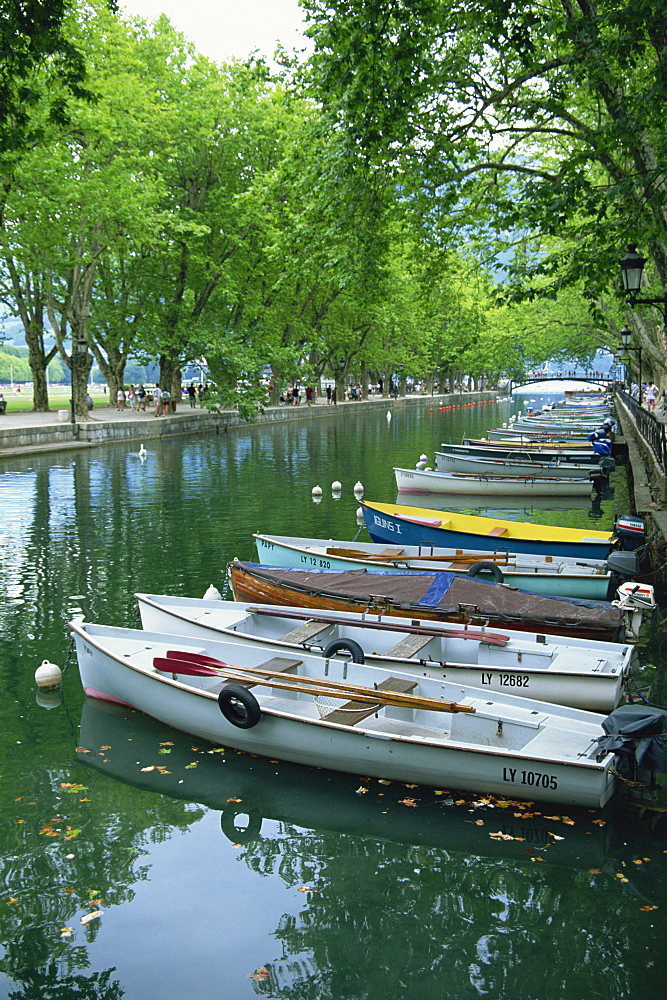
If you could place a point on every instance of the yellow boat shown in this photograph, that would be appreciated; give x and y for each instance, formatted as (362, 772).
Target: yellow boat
(405, 525)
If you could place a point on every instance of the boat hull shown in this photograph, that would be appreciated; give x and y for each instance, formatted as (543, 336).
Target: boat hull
(488, 484)
(434, 596)
(389, 524)
(564, 672)
(475, 756)
(566, 578)
(502, 464)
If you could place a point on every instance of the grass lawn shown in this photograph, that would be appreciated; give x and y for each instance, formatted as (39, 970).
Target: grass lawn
(59, 397)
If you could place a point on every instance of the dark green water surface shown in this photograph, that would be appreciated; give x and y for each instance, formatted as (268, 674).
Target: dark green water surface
(210, 866)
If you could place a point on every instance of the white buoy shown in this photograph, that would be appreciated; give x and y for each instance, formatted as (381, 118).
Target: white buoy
(48, 676)
(212, 594)
(420, 465)
(360, 515)
(336, 486)
(428, 469)
(316, 491)
(358, 487)
(423, 457)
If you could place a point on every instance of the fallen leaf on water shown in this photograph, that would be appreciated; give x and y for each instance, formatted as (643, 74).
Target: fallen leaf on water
(68, 892)
(12, 899)
(82, 750)
(555, 836)
(412, 786)
(383, 781)
(107, 746)
(479, 822)
(67, 932)
(621, 878)
(407, 802)
(235, 800)
(568, 821)
(305, 888)
(504, 836)
(361, 790)
(72, 834)
(259, 974)
(594, 871)
(88, 917)
(193, 764)
(167, 743)
(599, 822)
(151, 768)
(164, 750)
(647, 908)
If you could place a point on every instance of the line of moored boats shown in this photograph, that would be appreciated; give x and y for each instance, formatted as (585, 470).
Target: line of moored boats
(458, 651)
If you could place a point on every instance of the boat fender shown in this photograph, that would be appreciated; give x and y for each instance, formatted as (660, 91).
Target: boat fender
(239, 706)
(352, 647)
(241, 834)
(487, 567)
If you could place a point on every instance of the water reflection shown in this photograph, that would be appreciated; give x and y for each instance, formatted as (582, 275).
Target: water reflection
(403, 870)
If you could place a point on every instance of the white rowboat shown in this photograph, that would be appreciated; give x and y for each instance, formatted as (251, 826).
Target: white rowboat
(559, 669)
(403, 728)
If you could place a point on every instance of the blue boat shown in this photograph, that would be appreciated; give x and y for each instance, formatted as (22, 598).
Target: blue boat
(407, 525)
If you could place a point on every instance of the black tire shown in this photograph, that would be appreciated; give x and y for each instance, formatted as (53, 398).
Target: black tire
(487, 567)
(241, 834)
(352, 647)
(239, 706)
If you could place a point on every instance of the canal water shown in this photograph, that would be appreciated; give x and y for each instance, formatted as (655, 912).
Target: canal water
(215, 875)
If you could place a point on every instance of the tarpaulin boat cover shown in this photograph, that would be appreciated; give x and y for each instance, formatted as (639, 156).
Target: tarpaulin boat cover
(639, 732)
(447, 593)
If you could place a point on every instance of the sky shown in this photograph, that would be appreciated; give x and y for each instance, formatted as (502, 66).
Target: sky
(221, 29)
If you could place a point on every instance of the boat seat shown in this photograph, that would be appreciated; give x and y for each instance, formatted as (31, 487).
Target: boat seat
(389, 554)
(409, 645)
(497, 531)
(304, 632)
(346, 713)
(277, 664)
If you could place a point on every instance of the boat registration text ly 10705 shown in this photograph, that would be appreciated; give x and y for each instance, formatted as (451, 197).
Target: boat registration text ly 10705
(536, 779)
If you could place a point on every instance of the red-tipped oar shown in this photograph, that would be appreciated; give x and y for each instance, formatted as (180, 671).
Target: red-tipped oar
(305, 685)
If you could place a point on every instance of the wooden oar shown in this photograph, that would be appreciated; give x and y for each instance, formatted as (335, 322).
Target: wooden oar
(188, 663)
(492, 638)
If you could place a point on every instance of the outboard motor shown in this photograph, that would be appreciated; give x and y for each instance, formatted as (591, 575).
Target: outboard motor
(630, 531)
(633, 600)
(624, 565)
(637, 734)
(601, 446)
(600, 478)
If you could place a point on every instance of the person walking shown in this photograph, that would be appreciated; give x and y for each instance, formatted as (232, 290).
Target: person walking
(334, 395)
(309, 395)
(120, 399)
(166, 402)
(132, 397)
(328, 394)
(141, 398)
(157, 400)
(192, 395)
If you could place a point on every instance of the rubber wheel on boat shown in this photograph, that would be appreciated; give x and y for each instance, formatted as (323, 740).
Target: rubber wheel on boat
(352, 647)
(487, 567)
(239, 706)
(241, 834)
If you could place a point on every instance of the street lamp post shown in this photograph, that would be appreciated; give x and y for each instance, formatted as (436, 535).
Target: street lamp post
(626, 334)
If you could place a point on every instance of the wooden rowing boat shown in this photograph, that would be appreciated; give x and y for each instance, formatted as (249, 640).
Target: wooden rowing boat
(421, 594)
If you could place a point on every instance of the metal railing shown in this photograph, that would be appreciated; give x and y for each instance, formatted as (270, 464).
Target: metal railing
(648, 427)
